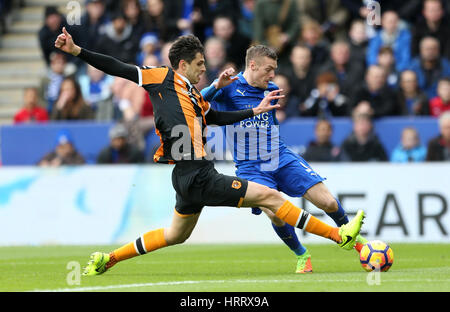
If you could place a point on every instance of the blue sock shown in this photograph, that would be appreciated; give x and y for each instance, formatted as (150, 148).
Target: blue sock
(289, 237)
(339, 216)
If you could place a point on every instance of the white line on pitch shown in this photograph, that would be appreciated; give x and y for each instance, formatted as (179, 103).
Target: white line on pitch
(109, 287)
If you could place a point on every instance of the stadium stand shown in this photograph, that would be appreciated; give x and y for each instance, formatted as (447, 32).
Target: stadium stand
(21, 63)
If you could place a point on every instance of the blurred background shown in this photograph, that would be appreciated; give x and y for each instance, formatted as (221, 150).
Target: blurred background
(367, 87)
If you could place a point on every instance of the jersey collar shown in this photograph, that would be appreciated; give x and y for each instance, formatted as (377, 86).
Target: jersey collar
(249, 87)
(185, 79)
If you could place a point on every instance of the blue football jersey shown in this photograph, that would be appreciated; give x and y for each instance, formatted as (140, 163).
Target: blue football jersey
(255, 140)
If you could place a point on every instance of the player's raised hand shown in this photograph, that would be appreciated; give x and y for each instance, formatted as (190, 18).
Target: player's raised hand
(265, 105)
(226, 78)
(65, 43)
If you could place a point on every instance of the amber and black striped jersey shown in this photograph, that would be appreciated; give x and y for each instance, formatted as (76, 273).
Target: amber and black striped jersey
(181, 114)
(179, 111)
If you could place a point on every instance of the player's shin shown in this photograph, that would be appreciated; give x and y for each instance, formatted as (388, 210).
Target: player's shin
(301, 219)
(148, 242)
(287, 234)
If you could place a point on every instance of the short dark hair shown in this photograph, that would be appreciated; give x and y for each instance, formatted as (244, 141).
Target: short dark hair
(259, 51)
(185, 48)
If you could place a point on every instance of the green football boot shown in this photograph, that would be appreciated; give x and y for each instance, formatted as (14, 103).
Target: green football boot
(304, 263)
(96, 264)
(348, 232)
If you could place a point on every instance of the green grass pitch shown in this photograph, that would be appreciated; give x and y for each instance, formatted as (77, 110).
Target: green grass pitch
(224, 268)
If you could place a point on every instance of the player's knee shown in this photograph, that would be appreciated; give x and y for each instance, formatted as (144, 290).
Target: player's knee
(329, 204)
(176, 238)
(270, 198)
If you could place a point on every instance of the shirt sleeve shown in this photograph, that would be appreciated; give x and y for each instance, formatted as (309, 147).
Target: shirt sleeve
(148, 76)
(221, 118)
(212, 94)
(109, 65)
(206, 106)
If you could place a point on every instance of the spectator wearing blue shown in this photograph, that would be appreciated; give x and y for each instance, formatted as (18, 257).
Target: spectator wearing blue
(120, 151)
(149, 45)
(184, 24)
(96, 89)
(430, 66)
(245, 22)
(410, 149)
(393, 34)
(64, 152)
(51, 83)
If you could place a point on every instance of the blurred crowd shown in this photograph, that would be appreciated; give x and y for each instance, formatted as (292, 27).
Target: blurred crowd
(337, 58)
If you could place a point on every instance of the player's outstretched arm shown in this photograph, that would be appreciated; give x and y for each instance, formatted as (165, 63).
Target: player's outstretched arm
(105, 63)
(225, 79)
(221, 118)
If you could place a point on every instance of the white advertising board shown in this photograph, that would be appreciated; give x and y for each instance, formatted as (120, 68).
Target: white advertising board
(115, 204)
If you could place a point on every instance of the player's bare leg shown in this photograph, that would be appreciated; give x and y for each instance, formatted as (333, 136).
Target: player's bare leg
(321, 197)
(177, 233)
(181, 228)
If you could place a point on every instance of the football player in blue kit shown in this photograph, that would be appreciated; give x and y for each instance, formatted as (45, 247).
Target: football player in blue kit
(259, 153)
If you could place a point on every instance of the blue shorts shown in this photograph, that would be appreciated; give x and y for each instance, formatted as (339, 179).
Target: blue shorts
(294, 176)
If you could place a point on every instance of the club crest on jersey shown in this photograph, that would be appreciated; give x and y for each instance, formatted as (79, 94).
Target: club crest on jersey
(266, 92)
(236, 184)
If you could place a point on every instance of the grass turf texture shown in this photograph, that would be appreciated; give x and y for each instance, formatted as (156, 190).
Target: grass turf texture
(225, 268)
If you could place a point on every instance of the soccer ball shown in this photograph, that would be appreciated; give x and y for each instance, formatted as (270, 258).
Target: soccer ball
(376, 255)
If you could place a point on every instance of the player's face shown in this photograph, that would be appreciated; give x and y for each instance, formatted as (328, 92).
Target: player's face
(263, 71)
(196, 68)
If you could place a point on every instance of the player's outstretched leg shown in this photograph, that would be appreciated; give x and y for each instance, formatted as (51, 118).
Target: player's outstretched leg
(180, 230)
(262, 196)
